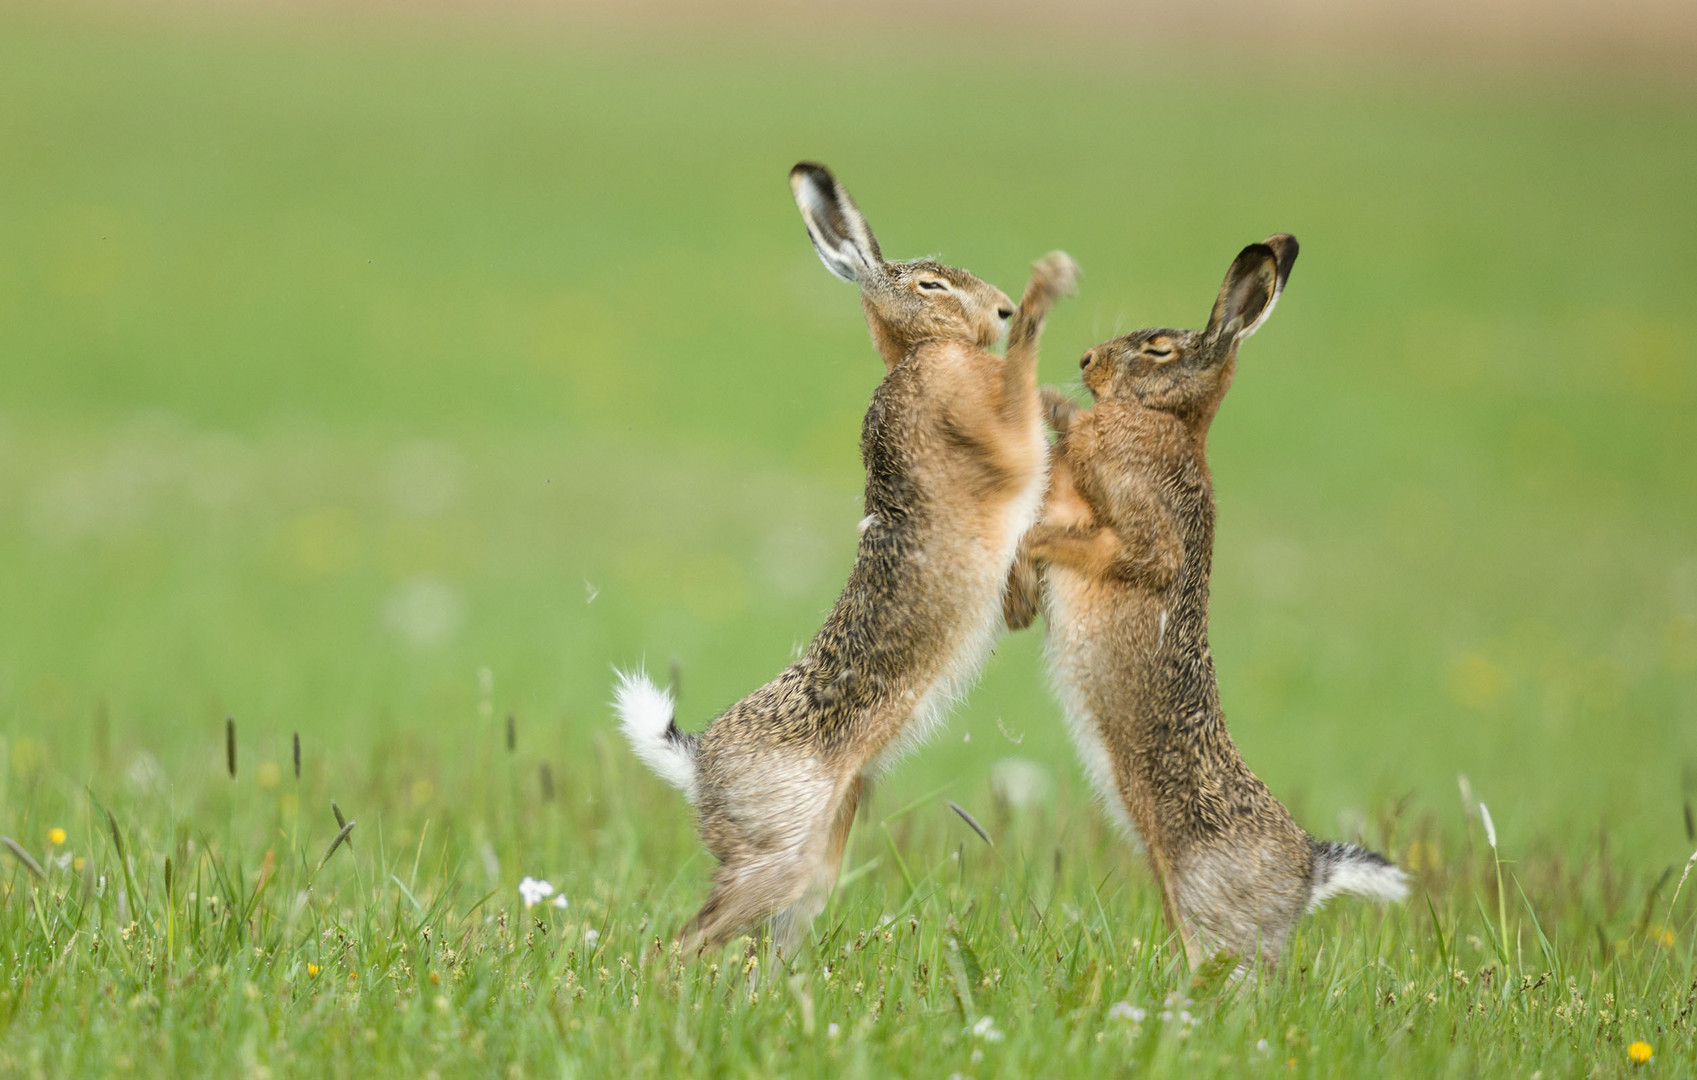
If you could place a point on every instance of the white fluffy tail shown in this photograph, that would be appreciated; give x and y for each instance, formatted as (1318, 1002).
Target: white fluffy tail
(1345, 868)
(646, 714)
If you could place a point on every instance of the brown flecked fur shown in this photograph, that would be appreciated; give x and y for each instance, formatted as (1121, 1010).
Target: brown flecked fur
(1125, 547)
(956, 459)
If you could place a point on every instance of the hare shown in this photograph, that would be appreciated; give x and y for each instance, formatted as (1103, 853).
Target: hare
(956, 457)
(1125, 546)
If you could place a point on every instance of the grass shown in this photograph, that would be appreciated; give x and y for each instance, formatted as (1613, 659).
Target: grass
(379, 386)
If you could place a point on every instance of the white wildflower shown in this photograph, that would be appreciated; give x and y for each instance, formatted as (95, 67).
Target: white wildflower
(1261, 1046)
(591, 936)
(560, 901)
(1125, 1010)
(832, 1030)
(534, 891)
(1019, 782)
(986, 1029)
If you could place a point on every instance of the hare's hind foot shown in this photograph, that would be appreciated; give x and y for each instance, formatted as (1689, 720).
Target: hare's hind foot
(785, 888)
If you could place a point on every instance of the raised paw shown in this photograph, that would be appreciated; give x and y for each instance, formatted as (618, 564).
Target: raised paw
(1043, 541)
(1055, 274)
(1058, 407)
(1023, 597)
(1058, 272)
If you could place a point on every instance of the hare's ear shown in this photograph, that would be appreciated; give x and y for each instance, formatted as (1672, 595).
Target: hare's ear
(840, 235)
(1253, 284)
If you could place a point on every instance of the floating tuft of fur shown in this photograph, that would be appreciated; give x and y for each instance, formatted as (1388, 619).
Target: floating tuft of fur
(1345, 868)
(647, 717)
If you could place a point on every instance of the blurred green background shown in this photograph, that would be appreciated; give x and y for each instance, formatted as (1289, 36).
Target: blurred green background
(341, 360)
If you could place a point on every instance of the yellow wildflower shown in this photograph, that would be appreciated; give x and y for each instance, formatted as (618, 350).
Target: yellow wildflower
(55, 836)
(1640, 1052)
(313, 970)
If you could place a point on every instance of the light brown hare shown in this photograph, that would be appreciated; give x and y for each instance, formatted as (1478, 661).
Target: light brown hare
(1124, 547)
(956, 456)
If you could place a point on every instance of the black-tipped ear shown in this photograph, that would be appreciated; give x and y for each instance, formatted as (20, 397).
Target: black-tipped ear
(840, 235)
(1252, 286)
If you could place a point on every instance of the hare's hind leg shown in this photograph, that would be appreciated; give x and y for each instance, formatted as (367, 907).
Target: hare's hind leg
(790, 925)
(745, 893)
(1173, 908)
(775, 864)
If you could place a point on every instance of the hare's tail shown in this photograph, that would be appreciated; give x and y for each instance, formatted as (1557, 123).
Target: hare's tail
(1345, 868)
(647, 717)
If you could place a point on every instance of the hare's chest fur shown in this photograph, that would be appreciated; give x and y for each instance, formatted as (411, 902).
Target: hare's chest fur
(966, 559)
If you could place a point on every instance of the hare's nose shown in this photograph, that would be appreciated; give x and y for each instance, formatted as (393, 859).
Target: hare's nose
(1005, 311)
(1084, 361)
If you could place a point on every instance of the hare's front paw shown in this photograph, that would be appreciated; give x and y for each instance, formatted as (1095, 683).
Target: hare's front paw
(1055, 274)
(1058, 407)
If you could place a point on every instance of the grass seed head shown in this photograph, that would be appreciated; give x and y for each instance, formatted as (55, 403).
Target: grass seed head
(1490, 826)
(341, 838)
(971, 822)
(22, 856)
(344, 824)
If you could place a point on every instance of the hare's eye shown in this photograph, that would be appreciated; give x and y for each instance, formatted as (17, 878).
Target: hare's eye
(937, 286)
(1159, 354)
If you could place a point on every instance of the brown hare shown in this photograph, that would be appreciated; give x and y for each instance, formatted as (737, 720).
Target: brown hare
(1124, 547)
(956, 457)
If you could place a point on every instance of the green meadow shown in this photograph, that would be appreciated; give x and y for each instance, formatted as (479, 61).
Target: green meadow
(384, 385)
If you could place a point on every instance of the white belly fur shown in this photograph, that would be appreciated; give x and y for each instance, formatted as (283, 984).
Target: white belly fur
(982, 621)
(1069, 656)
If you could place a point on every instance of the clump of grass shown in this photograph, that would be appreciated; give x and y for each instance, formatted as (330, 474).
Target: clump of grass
(936, 956)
